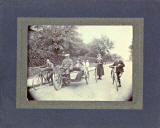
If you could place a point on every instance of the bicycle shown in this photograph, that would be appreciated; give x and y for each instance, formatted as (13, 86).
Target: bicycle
(114, 76)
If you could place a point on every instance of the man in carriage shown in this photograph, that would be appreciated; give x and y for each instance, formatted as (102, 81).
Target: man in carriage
(75, 71)
(79, 66)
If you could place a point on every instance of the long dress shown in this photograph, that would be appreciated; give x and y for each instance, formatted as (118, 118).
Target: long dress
(100, 69)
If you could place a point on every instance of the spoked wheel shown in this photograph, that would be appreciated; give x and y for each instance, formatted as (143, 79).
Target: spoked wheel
(57, 82)
(114, 79)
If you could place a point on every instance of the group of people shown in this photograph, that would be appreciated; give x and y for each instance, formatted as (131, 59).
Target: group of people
(119, 68)
(69, 66)
(79, 66)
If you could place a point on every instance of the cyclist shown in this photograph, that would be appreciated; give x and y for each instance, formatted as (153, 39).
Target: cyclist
(119, 69)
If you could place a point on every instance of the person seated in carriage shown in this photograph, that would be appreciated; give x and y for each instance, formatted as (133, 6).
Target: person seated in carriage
(79, 66)
(73, 72)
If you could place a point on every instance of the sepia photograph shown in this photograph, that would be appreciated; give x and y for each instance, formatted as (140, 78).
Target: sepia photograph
(79, 63)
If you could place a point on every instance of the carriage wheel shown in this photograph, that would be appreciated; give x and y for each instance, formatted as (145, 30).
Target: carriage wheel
(57, 82)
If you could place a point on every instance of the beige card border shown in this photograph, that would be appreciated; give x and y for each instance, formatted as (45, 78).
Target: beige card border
(21, 87)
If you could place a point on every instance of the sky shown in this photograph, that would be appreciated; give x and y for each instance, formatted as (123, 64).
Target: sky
(120, 35)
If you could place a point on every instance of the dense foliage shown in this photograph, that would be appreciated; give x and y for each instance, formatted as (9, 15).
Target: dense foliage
(53, 41)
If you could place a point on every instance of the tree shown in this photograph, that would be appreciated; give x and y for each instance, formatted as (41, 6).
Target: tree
(51, 41)
(115, 56)
(102, 45)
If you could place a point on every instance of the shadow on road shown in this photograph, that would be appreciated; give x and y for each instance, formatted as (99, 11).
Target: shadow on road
(75, 85)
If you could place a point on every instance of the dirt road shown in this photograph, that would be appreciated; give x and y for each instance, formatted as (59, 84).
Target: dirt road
(103, 90)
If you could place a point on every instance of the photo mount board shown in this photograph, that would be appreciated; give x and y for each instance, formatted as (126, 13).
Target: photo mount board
(137, 80)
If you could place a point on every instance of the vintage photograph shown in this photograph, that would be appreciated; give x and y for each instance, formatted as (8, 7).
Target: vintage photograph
(79, 62)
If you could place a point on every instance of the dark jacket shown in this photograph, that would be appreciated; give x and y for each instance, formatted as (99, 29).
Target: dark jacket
(119, 65)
